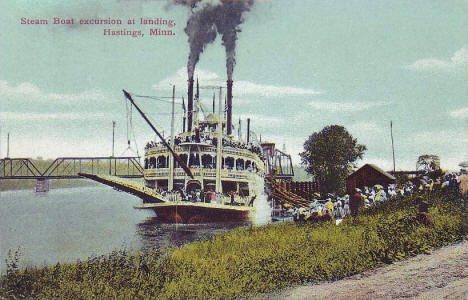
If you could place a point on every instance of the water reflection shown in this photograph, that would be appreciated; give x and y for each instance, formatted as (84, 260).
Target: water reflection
(154, 234)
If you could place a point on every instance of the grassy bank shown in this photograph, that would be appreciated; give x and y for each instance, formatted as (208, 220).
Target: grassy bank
(248, 261)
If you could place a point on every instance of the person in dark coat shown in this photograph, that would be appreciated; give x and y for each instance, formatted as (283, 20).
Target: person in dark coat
(232, 197)
(356, 202)
(424, 216)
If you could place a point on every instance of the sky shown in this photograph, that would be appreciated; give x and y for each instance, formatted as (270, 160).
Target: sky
(301, 65)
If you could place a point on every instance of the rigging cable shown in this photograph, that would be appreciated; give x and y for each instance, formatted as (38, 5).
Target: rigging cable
(133, 131)
(127, 118)
(129, 129)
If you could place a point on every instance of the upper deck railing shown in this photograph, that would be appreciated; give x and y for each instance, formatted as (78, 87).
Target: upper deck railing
(204, 149)
(199, 172)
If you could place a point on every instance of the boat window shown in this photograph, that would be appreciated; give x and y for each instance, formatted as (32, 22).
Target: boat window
(208, 161)
(152, 163)
(240, 164)
(184, 159)
(243, 189)
(194, 160)
(161, 162)
(229, 162)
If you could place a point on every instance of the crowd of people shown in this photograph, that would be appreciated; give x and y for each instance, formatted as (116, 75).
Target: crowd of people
(204, 195)
(338, 207)
(206, 138)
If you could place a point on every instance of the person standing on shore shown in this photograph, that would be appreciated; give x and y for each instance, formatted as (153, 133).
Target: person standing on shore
(356, 202)
(464, 188)
(346, 209)
(339, 211)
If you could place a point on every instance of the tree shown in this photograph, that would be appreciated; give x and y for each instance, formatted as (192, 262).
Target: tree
(330, 155)
(428, 162)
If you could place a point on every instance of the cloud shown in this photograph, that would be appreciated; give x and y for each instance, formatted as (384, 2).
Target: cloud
(179, 79)
(442, 137)
(459, 59)
(259, 119)
(345, 106)
(387, 164)
(365, 128)
(450, 145)
(34, 116)
(240, 88)
(249, 88)
(293, 144)
(50, 146)
(33, 93)
(461, 113)
(22, 89)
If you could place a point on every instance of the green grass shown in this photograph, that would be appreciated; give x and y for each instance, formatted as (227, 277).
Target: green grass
(248, 261)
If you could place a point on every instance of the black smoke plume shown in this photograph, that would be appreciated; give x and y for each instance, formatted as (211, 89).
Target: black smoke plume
(209, 19)
(228, 26)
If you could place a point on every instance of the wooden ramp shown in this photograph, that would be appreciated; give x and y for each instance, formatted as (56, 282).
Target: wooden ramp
(286, 198)
(148, 195)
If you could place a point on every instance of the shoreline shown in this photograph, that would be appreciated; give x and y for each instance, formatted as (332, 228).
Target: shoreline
(29, 184)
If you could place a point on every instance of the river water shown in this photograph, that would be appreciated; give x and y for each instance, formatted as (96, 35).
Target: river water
(64, 225)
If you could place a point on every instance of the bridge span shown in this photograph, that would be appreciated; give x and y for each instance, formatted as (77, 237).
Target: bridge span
(70, 167)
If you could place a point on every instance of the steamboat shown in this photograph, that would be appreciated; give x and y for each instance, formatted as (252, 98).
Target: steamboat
(204, 173)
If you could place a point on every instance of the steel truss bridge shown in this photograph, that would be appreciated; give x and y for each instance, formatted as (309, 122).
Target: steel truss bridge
(69, 167)
(280, 164)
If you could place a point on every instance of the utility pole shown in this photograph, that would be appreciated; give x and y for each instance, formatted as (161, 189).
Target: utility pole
(113, 138)
(393, 149)
(239, 131)
(171, 157)
(219, 149)
(8, 145)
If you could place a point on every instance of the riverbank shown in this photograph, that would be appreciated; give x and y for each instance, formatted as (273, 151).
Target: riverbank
(30, 184)
(443, 274)
(249, 261)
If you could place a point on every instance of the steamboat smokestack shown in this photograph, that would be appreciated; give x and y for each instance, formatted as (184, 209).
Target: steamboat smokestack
(248, 130)
(229, 107)
(214, 102)
(184, 118)
(190, 104)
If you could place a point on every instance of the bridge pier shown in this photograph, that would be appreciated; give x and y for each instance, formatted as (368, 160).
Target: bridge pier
(42, 185)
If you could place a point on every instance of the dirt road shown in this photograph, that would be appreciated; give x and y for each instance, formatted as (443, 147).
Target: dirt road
(441, 275)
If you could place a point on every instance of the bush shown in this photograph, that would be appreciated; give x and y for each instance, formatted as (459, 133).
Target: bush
(251, 260)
